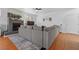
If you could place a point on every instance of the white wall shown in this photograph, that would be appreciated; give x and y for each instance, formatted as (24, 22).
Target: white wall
(71, 21)
(3, 17)
(56, 19)
(68, 19)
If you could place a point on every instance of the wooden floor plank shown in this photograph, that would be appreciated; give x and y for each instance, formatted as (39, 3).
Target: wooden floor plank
(66, 41)
(6, 44)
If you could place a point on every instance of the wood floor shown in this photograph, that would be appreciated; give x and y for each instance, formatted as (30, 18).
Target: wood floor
(6, 44)
(66, 41)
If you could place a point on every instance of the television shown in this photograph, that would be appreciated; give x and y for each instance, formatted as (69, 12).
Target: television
(30, 22)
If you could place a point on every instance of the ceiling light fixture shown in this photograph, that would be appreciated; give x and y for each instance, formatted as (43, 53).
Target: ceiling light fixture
(37, 10)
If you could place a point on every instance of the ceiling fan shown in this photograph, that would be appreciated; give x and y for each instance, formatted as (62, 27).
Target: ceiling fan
(37, 10)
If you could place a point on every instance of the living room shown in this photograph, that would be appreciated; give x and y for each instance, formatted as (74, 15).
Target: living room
(38, 28)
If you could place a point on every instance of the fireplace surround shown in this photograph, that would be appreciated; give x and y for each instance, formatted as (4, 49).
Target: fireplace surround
(14, 22)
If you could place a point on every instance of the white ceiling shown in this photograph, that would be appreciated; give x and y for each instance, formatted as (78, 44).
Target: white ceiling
(47, 10)
(44, 10)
